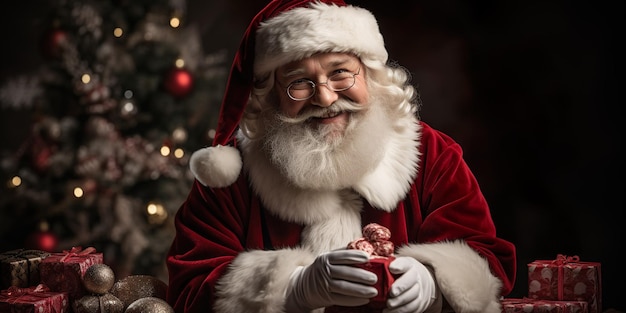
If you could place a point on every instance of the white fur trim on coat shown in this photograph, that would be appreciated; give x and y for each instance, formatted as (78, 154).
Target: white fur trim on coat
(463, 276)
(217, 166)
(302, 32)
(256, 281)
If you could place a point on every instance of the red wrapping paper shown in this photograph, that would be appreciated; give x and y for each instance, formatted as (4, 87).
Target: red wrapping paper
(37, 299)
(20, 268)
(64, 271)
(566, 278)
(526, 305)
(380, 267)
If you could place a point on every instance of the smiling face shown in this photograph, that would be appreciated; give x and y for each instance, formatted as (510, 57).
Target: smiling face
(318, 70)
(331, 139)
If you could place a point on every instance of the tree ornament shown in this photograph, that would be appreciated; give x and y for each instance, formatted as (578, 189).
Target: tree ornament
(40, 152)
(134, 287)
(42, 239)
(97, 304)
(178, 82)
(149, 305)
(99, 279)
(52, 43)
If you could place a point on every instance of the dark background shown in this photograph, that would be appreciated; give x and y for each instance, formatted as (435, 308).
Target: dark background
(533, 91)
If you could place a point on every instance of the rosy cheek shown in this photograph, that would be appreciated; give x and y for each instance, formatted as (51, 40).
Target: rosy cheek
(359, 93)
(290, 108)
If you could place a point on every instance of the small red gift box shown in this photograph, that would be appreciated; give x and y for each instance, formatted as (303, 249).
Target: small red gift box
(20, 268)
(380, 267)
(566, 278)
(526, 305)
(64, 271)
(37, 299)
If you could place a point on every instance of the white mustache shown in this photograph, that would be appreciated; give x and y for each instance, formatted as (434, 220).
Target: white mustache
(338, 106)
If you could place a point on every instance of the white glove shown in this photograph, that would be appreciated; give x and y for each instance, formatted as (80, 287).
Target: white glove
(414, 291)
(331, 280)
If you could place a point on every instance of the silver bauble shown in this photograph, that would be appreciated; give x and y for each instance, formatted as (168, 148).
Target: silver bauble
(149, 305)
(98, 279)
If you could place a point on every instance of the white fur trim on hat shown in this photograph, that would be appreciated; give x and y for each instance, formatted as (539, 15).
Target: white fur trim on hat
(217, 166)
(302, 32)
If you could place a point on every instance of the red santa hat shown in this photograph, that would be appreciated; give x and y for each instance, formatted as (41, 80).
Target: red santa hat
(283, 31)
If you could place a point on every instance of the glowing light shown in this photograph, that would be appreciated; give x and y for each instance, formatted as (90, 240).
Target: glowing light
(179, 153)
(15, 181)
(179, 134)
(156, 213)
(78, 192)
(128, 94)
(211, 133)
(174, 22)
(180, 63)
(153, 208)
(128, 107)
(165, 151)
(118, 32)
(85, 78)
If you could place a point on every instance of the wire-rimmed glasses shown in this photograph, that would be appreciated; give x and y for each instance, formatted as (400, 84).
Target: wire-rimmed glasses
(304, 89)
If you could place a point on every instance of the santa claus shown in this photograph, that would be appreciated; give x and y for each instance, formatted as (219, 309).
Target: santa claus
(318, 136)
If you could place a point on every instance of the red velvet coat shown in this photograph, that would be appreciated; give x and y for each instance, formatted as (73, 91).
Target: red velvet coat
(443, 220)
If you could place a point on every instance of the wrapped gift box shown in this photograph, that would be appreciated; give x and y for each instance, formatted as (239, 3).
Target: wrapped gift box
(64, 271)
(36, 299)
(380, 267)
(566, 278)
(20, 268)
(527, 305)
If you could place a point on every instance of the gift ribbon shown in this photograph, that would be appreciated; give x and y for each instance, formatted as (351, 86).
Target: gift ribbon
(76, 251)
(561, 260)
(17, 293)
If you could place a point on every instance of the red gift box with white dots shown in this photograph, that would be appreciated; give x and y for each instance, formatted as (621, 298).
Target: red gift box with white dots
(566, 278)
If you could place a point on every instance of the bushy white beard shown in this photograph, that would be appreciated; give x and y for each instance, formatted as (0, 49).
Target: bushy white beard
(323, 157)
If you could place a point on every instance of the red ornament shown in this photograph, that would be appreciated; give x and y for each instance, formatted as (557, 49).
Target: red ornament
(43, 240)
(40, 153)
(52, 43)
(178, 82)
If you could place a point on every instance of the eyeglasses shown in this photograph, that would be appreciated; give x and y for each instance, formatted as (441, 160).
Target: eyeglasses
(303, 89)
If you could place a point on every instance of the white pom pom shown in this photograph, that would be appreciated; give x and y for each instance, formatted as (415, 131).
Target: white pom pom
(217, 166)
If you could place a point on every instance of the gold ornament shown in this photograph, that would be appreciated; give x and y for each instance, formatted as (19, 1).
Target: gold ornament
(149, 305)
(96, 304)
(98, 279)
(134, 287)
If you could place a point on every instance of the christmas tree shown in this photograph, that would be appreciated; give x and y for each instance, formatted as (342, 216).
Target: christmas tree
(125, 95)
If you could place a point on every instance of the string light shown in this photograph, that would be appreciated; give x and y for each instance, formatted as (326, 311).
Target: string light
(156, 213)
(85, 78)
(165, 150)
(15, 181)
(211, 133)
(118, 32)
(78, 192)
(179, 153)
(179, 135)
(179, 63)
(174, 22)
(128, 107)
